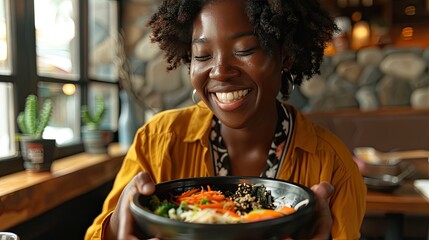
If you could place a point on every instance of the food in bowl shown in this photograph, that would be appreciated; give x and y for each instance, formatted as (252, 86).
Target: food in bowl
(276, 226)
(249, 203)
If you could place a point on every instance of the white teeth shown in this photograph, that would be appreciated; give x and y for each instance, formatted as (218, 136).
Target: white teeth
(229, 97)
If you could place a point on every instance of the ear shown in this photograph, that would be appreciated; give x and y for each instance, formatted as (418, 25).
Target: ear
(287, 59)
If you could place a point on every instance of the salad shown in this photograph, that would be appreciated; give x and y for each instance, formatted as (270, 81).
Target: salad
(249, 203)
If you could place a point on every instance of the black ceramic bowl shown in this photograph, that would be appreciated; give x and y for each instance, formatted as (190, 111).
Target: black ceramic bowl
(286, 193)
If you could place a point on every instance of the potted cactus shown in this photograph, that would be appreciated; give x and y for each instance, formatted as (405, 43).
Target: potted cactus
(95, 140)
(38, 153)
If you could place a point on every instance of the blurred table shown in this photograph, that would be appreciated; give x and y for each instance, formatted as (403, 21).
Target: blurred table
(405, 200)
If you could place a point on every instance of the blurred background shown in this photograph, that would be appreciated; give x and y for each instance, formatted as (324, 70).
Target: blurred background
(373, 89)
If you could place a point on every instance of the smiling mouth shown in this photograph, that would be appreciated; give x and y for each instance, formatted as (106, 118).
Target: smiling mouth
(229, 97)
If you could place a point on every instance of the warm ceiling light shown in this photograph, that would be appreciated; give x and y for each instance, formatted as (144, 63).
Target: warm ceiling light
(407, 33)
(410, 10)
(69, 89)
(360, 35)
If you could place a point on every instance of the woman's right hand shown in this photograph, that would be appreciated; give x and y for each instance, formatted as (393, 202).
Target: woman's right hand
(121, 224)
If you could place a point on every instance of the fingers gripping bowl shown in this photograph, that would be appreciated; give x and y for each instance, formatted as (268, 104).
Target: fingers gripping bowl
(284, 194)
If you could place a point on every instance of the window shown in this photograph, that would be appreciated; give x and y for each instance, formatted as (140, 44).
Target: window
(56, 49)
(103, 35)
(64, 125)
(57, 44)
(7, 134)
(103, 38)
(57, 59)
(5, 57)
(110, 94)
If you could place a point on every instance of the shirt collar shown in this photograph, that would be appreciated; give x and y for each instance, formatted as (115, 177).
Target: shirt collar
(305, 136)
(199, 126)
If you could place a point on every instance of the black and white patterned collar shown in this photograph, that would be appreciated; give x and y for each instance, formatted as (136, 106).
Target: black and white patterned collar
(276, 154)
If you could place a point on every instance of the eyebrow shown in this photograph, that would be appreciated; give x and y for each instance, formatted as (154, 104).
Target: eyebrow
(242, 34)
(235, 36)
(199, 40)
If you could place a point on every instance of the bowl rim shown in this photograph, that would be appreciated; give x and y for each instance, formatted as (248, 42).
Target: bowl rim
(137, 208)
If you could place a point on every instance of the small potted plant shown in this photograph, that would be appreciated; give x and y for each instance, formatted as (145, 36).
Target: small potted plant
(38, 153)
(95, 139)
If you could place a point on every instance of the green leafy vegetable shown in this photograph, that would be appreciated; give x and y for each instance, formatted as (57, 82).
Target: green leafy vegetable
(161, 208)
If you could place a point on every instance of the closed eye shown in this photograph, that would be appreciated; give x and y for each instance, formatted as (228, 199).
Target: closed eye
(246, 52)
(202, 58)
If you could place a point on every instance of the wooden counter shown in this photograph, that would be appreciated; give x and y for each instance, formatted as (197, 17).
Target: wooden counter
(24, 195)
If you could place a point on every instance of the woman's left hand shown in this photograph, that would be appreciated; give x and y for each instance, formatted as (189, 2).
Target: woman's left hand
(322, 220)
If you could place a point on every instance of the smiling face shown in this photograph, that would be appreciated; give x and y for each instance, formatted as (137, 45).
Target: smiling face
(232, 73)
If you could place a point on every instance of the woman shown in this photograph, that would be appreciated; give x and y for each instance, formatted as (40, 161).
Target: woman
(241, 55)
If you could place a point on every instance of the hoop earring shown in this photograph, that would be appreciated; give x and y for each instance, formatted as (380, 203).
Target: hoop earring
(291, 80)
(193, 96)
(288, 83)
(194, 92)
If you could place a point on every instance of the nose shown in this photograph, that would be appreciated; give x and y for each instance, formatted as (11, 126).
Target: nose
(223, 72)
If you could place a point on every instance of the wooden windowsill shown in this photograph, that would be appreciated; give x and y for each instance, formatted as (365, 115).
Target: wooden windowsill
(24, 195)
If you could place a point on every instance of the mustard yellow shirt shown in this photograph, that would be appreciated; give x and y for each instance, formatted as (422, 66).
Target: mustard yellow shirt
(174, 144)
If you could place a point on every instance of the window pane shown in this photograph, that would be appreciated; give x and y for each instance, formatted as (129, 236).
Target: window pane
(64, 125)
(110, 95)
(5, 56)
(7, 122)
(56, 38)
(103, 29)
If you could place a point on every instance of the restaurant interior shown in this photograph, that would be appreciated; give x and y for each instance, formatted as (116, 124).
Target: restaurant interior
(372, 92)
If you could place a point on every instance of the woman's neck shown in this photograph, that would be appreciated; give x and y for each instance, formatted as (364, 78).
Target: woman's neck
(249, 146)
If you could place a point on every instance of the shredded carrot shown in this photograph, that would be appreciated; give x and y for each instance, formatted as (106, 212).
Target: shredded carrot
(189, 192)
(206, 199)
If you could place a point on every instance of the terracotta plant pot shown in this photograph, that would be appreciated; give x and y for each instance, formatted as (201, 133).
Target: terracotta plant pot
(38, 154)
